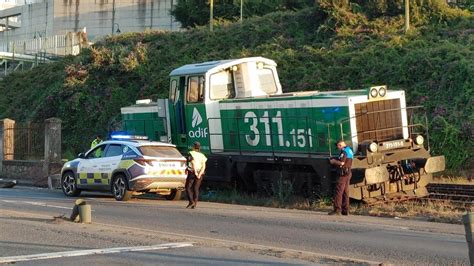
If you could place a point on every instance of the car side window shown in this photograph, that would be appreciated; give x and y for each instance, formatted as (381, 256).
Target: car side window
(114, 150)
(98, 152)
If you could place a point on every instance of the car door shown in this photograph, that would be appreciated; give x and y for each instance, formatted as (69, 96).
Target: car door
(110, 162)
(88, 167)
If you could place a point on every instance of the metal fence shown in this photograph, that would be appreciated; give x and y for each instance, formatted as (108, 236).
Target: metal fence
(28, 142)
(56, 45)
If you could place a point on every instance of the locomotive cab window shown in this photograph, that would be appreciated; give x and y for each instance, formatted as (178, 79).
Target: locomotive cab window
(266, 80)
(174, 90)
(222, 85)
(195, 92)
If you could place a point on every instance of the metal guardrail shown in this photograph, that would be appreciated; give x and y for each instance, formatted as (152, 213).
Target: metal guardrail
(10, 62)
(67, 44)
(26, 54)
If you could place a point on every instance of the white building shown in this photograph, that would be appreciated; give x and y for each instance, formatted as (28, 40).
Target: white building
(31, 19)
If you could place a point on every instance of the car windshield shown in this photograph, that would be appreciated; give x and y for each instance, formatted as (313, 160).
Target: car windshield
(159, 151)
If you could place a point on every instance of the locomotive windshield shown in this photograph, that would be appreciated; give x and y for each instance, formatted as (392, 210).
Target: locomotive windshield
(222, 85)
(266, 80)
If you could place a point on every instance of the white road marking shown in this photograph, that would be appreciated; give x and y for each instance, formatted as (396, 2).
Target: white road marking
(209, 239)
(75, 253)
(37, 204)
(320, 255)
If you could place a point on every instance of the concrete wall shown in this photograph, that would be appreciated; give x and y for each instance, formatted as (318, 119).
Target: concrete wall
(99, 17)
(29, 172)
(35, 19)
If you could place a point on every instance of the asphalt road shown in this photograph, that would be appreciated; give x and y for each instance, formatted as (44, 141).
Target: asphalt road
(219, 233)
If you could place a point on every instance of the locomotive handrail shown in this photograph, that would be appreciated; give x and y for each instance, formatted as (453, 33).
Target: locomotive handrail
(408, 126)
(381, 111)
(389, 128)
(309, 123)
(240, 149)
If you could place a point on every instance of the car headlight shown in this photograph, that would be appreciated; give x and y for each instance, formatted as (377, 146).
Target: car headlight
(373, 147)
(382, 91)
(419, 140)
(373, 92)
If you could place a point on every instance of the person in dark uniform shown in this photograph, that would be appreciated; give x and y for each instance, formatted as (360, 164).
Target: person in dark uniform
(196, 169)
(344, 164)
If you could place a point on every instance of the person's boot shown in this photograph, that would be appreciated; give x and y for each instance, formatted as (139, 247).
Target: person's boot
(190, 205)
(346, 213)
(334, 213)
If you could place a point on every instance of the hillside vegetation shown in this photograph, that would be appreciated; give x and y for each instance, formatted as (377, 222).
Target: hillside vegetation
(327, 47)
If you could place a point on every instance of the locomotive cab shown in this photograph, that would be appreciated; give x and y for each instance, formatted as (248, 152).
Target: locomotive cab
(197, 89)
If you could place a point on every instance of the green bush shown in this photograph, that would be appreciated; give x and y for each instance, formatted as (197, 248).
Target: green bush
(325, 48)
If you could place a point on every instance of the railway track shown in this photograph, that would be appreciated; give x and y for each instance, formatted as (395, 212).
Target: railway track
(451, 192)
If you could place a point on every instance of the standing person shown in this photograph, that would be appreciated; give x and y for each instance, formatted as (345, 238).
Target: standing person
(96, 141)
(196, 169)
(344, 165)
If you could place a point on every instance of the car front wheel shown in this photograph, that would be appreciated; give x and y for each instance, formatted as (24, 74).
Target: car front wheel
(120, 189)
(68, 184)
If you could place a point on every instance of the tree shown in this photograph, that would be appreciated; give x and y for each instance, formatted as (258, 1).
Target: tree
(192, 13)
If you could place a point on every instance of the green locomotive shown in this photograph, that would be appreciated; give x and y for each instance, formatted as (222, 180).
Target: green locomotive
(254, 134)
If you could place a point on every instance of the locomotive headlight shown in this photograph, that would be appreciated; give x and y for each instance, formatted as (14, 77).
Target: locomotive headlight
(419, 140)
(382, 91)
(373, 147)
(373, 92)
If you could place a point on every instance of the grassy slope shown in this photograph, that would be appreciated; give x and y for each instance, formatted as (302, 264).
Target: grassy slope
(315, 50)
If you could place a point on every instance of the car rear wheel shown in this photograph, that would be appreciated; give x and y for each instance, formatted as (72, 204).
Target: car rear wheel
(68, 184)
(120, 189)
(174, 195)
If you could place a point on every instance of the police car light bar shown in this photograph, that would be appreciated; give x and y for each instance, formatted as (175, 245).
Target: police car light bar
(128, 137)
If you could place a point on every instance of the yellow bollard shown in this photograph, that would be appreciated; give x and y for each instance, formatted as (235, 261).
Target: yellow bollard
(468, 220)
(81, 212)
(85, 215)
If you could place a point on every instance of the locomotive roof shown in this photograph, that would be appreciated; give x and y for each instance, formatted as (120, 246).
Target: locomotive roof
(204, 67)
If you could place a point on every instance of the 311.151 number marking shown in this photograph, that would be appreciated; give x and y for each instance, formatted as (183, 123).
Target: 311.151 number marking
(298, 137)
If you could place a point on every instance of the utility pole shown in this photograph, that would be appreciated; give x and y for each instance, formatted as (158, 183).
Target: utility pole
(241, 9)
(211, 18)
(113, 17)
(407, 15)
(6, 35)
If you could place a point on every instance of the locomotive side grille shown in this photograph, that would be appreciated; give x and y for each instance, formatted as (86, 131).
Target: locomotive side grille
(379, 120)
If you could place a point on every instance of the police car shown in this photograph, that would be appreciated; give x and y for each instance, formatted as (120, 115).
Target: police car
(126, 166)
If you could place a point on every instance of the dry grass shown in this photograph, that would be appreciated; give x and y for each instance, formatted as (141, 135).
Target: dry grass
(462, 180)
(424, 209)
(435, 211)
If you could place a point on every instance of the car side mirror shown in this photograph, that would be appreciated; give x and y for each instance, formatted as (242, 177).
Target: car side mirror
(81, 155)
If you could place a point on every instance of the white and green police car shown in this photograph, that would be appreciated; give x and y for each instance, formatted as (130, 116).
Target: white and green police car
(126, 167)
